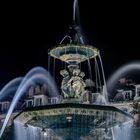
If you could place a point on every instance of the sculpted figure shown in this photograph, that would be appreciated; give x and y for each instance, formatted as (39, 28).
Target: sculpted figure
(72, 85)
(64, 84)
(76, 83)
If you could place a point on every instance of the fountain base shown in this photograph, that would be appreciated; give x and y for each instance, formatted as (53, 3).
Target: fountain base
(72, 120)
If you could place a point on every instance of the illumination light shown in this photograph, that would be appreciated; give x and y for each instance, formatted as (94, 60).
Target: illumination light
(45, 134)
(69, 118)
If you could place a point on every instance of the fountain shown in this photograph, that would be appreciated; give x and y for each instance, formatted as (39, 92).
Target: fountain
(80, 114)
(122, 72)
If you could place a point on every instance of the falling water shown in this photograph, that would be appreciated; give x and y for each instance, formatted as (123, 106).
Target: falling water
(90, 73)
(65, 53)
(89, 68)
(113, 79)
(96, 75)
(37, 74)
(100, 99)
(28, 132)
(105, 86)
(49, 62)
(98, 72)
(18, 128)
(89, 65)
(122, 131)
(22, 132)
(54, 67)
(81, 39)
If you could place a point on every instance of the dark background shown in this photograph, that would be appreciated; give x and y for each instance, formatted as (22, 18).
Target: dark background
(29, 29)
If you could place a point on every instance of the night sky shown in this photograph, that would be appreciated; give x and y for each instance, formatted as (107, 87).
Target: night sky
(29, 29)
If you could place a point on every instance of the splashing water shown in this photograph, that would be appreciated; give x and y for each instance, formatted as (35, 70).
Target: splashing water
(22, 132)
(39, 75)
(30, 132)
(122, 131)
(100, 99)
(113, 79)
(112, 132)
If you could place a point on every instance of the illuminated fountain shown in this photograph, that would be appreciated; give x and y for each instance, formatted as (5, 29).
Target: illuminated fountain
(79, 114)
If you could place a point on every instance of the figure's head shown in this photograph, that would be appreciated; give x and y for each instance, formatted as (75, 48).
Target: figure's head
(82, 74)
(64, 73)
(76, 72)
(72, 67)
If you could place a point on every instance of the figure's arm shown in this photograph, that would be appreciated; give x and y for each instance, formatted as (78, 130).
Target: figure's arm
(69, 82)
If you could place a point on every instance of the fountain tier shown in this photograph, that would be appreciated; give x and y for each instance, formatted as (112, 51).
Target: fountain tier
(74, 53)
(73, 120)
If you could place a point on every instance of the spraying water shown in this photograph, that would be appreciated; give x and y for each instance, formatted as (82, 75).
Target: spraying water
(76, 13)
(12, 85)
(40, 75)
(66, 36)
(113, 79)
(74, 9)
(36, 75)
(40, 70)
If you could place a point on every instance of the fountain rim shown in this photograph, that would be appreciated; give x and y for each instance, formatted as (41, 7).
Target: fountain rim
(75, 105)
(61, 47)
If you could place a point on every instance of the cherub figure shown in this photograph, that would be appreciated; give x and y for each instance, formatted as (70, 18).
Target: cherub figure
(76, 83)
(64, 84)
